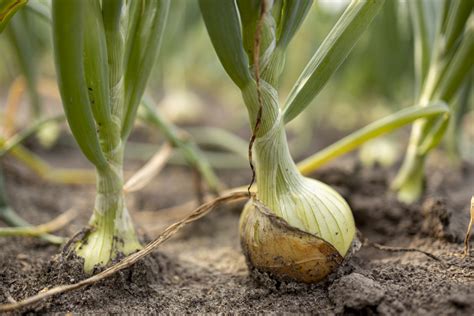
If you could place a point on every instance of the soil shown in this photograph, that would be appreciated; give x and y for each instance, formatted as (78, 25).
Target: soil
(202, 269)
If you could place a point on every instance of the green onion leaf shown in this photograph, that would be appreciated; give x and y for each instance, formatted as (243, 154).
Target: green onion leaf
(423, 45)
(223, 25)
(68, 37)
(134, 9)
(112, 14)
(459, 67)
(435, 135)
(371, 131)
(456, 20)
(330, 55)
(293, 14)
(145, 44)
(248, 12)
(96, 64)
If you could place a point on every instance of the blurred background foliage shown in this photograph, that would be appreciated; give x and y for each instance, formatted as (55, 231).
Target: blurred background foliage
(376, 79)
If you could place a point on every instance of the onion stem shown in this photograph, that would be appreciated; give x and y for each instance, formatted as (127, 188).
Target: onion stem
(112, 231)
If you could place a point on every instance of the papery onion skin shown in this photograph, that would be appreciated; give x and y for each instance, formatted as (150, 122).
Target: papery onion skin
(285, 252)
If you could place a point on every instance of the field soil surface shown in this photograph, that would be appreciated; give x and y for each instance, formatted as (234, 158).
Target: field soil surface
(202, 269)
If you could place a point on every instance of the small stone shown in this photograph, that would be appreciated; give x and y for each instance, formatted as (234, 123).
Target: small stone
(356, 291)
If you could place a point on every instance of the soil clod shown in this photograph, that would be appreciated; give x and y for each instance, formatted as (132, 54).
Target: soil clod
(356, 291)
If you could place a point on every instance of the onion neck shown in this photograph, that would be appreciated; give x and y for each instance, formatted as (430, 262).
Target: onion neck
(276, 172)
(112, 231)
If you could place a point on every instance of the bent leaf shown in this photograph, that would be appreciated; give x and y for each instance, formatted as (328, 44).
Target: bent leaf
(380, 127)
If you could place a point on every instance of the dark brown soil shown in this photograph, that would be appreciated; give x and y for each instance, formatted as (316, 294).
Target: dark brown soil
(202, 268)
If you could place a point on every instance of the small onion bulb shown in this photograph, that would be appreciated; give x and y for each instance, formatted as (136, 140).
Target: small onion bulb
(303, 236)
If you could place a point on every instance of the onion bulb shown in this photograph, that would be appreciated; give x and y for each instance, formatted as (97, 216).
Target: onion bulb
(296, 228)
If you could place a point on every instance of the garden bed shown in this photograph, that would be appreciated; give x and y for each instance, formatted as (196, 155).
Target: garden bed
(202, 269)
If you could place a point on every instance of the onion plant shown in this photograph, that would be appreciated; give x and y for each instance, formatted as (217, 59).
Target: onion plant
(104, 52)
(297, 227)
(174, 136)
(442, 65)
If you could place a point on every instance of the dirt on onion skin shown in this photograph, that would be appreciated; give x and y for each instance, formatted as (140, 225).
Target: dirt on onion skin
(202, 268)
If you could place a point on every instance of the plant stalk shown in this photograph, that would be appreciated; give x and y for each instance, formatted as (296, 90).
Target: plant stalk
(112, 233)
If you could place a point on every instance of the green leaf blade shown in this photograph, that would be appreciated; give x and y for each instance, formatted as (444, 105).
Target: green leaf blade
(68, 47)
(418, 13)
(456, 20)
(330, 55)
(293, 14)
(459, 66)
(96, 64)
(375, 129)
(145, 47)
(223, 25)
